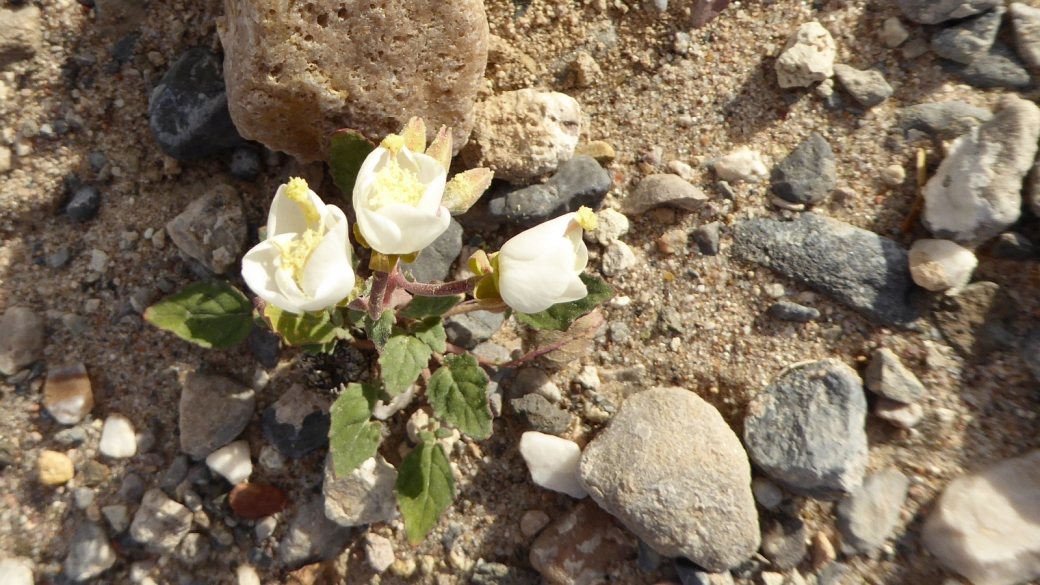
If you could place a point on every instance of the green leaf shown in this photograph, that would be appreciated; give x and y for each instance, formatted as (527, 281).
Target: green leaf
(379, 331)
(347, 152)
(401, 361)
(567, 346)
(425, 488)
(458, 394)
(430, 306)
(305, 329)
(211, 314)
(431, 331)
(353, 438)
(559, 317)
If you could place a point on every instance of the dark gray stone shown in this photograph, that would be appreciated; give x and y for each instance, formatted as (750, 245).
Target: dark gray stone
(98, 160)
(886, 376)
(788, 311)
(868, 517)
(298, 423)
(312, 537)
(245, 163)
(435, 261)
(784, 543)
(540, 415)
(690, 573)
(1013, 246)
(175, 475)
(123, 50)
(72, 436)
(89, 554)
(966, 41)
(579, 181)
(648, 559)
(860, 269)
(974, 322)
(264, 345)
(936, 11)
(933, 118)
(84, 204)
(807, 175)
(213, 411)
(471, 329)
(806, 430)
(1001, 67)
(188, 110)
(59, 259)
(707, 238)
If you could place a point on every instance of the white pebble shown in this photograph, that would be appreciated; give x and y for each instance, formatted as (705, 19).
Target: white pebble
(807, 58)
(16, 571)
(232, 461)
(271, 459)
(617, 259)
(265, 528)
(98, 261)
(588, 378)
(743, 164)
(247, 575)
(893, 175)
(553, 463)
(118, 439)
(938, 265)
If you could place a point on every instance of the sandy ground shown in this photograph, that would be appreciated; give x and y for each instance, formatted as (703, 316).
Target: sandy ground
(720, 95)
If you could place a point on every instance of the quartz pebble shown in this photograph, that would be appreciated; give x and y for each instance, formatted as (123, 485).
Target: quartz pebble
(67, 394)
(743, 164)
(984, 525)
(808, 57)
(379, 552)
(16, 571)
(524, 134)
(54, 468)
(553, 462)
(291, 93)
(231, 462)
(118, 439)
(246, 575)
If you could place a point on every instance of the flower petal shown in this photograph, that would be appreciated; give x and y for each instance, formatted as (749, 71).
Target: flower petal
(375, 161)
(286, 217)
(380, 233)
(533, 285)
(329, 277)
(415, 229)
(535, 242)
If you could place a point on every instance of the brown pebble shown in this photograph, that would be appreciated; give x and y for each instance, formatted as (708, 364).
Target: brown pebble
(822, 550)
(256, 500)
(67, 395)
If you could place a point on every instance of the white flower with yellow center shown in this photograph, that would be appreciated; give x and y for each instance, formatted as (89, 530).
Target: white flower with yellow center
(397, 199)
(304, 264)
(539, 268)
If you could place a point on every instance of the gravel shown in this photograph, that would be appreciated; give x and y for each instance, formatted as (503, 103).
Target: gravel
(869, 516)
(84, 204)
(807, 175)
(89, 554)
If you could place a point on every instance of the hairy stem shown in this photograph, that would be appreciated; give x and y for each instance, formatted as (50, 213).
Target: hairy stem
(445, 289)
(376, 298)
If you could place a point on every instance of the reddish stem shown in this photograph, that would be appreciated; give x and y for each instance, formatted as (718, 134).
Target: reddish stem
(444, 289)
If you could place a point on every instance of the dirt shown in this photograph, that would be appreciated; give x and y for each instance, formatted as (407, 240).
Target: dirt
(653, 105)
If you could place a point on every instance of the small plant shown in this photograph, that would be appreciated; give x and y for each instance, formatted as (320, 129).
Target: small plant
(304, 275)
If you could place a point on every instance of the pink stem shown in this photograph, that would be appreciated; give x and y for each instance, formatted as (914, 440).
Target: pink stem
(444, 289)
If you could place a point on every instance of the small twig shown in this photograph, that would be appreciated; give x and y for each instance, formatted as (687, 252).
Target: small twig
(922, 180)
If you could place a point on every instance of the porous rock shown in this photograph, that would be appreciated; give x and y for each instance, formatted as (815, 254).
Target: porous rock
(524, 134)
(212, 229)
(297, 72)
(671, 469)
(858, 268)
(985, 526)
(20, 34)
(806, 429)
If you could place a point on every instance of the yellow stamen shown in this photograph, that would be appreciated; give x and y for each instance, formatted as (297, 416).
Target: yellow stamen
(296, 190)
(586, 218)
(297, 253)
(395, 184)
(393, 143)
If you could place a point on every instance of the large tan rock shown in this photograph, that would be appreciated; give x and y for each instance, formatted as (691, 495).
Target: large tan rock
(297, 71)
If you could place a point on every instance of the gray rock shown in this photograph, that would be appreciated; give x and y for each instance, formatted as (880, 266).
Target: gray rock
(966, 41)
(21, 34)
(857, 268)
(579, 181)
(806, 430)
(59, 259)
(298, 423)
(160, 523)
(1014, 246)
(312, 537)
(493, 352)
(540, 415)
(84, 204)
(177, 473)
(984, 525)
(707, 238)
(435, 261)
(188, 110)
(670, 468)
(975, 322)
(936, 11)
(663, 189)
(783, 543)
(264, 345)
(471, 329)
(73, 436)
(976, 192)
(1030, 352)
(213, 411)
(485, 573)
(1025, 20)
(832, 574)
(691, 574)
(364, 496)
(938, 117)
(886, 376)
(648, 559)
(998, 68)
(89, 554)
(194, 549)
(869, 516)
(868, 87)
(22, 339)
(212, 229)
(245, 163)
(807, 175)
(788, 311)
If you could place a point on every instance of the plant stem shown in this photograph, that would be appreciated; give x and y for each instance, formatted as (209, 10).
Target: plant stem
(445, 289)
(380, 280)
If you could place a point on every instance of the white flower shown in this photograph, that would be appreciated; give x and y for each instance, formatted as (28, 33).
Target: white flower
(397, 198)
(304, 264)
(539, 267)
